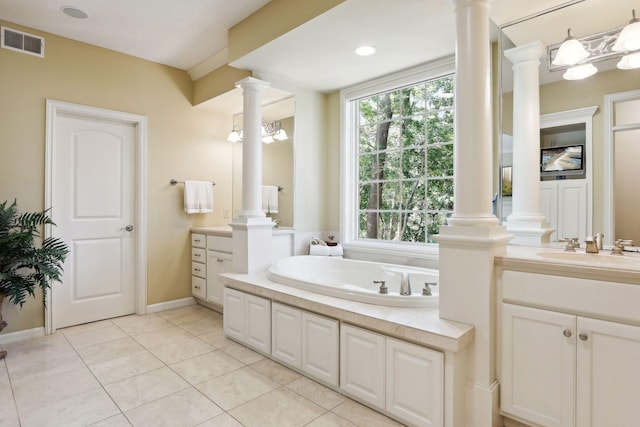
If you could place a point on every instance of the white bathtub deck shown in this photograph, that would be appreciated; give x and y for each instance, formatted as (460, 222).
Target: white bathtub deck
(420, 325)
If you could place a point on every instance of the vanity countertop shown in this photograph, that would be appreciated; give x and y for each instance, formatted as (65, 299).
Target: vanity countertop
(225, 230)
(553, 260)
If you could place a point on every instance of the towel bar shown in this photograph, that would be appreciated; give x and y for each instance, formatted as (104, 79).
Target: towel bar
(175, 181)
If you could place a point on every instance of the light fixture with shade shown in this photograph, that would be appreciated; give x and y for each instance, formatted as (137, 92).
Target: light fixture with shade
(271, 132)
(580, 72)
(629, 62)
(571, 51)
(629, 38)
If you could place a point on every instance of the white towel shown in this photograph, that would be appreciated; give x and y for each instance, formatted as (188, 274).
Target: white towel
(270, 199)
(198, 197)
(321, 250)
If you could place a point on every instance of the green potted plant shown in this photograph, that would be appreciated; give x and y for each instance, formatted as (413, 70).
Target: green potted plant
(24, 264)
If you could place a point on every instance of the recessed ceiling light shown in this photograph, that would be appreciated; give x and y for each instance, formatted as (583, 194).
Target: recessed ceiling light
(73, 12)
(365, 50)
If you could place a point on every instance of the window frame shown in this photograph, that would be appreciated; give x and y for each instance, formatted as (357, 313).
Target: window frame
(349, 178)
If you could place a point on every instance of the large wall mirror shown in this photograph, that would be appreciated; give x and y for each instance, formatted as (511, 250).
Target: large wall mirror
(615, 132)
(277, 159)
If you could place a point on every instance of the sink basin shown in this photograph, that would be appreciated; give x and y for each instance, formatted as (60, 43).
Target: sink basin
(599, 260)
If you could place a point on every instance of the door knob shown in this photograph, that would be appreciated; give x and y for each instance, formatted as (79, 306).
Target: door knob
(127, 228)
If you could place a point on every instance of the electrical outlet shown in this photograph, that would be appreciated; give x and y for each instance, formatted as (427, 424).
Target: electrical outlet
(226, 213)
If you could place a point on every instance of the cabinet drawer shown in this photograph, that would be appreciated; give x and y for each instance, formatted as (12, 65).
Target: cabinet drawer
(198, 254)
(199, 269)
(219, 244)
(198, 287)
(198, 240)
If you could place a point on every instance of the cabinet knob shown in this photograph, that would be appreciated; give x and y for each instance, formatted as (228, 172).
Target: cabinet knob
(566, 333)
(583, 336)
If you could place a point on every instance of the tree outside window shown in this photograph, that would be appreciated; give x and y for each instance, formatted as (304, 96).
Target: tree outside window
(405, 161)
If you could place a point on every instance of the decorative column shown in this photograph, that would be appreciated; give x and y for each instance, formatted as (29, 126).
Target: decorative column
(473, 236)
(252, 229)
(526, 221)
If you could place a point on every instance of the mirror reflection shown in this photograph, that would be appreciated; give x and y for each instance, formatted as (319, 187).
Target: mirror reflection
(277, 161)
(599, 195)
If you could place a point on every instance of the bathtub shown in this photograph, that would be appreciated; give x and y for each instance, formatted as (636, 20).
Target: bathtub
(353, 280)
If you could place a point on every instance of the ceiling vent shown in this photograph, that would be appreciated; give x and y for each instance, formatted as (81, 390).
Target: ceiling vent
(22, 42)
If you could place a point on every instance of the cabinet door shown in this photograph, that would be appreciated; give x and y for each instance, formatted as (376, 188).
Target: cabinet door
(608, 374)
(572, 208)
(538, 365)
(217, 263)
(320, 347)
(414, 383)
(286, 344)
(258, 323)
(362, 364)
(234, 314)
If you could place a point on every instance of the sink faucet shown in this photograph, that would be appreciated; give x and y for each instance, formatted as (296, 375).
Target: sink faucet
(405, 284)
(591, 246)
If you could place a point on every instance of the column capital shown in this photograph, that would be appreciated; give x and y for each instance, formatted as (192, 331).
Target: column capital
(528, 52)
(252, 82)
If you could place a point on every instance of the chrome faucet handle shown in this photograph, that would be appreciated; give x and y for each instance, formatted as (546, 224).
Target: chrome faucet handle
(383, 286)
(427, 288)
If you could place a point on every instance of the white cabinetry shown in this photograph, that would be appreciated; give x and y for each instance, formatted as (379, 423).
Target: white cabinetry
(405, 379)
(305, 341)
(414, 383)
(362, 364)
(564, 205)
(198, 265)
(320, 347)
(247, 318)
(210, 256)
(217, 263)
(286, 326)
(559, 369)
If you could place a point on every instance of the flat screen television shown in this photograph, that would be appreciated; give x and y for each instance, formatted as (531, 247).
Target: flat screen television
(560, 161)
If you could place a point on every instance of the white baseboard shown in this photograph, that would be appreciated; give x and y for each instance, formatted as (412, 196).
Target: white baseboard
(167, 305)
(21, 335)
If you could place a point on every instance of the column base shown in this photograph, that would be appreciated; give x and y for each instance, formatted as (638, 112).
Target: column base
(483, 405)
(529, 231)
(252, 245)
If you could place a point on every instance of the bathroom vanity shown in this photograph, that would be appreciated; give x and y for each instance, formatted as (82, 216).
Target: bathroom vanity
(212, 255)
(569, 337)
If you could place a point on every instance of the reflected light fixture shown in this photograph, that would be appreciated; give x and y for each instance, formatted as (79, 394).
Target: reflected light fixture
(629, 38)
(580, 72)
(271, 132)
(629, 62)
(571, 51)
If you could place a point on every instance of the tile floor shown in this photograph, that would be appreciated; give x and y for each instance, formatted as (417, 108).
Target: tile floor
(173, 368)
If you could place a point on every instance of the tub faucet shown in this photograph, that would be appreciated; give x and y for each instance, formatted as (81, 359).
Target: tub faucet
(591, 246)
(405, 284)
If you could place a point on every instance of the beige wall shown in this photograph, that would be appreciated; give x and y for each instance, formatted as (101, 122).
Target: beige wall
(183, 143)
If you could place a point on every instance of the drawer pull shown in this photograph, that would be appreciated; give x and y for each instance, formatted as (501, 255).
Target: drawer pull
(220, 260)
(196, 255)
(583, 336)
(197, 287)
(196, 269)
(566, 333)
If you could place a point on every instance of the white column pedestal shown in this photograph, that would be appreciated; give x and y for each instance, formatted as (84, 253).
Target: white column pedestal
(526, 221)
(252, 229)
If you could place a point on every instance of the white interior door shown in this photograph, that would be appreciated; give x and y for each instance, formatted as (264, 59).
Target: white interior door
(93, 205)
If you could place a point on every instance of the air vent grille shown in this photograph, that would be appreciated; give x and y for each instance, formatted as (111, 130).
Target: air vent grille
(22, 42)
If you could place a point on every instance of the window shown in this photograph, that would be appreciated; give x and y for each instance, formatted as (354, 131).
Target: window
(403, 148)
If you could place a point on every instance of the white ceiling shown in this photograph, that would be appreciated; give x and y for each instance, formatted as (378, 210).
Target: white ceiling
(319, 54)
